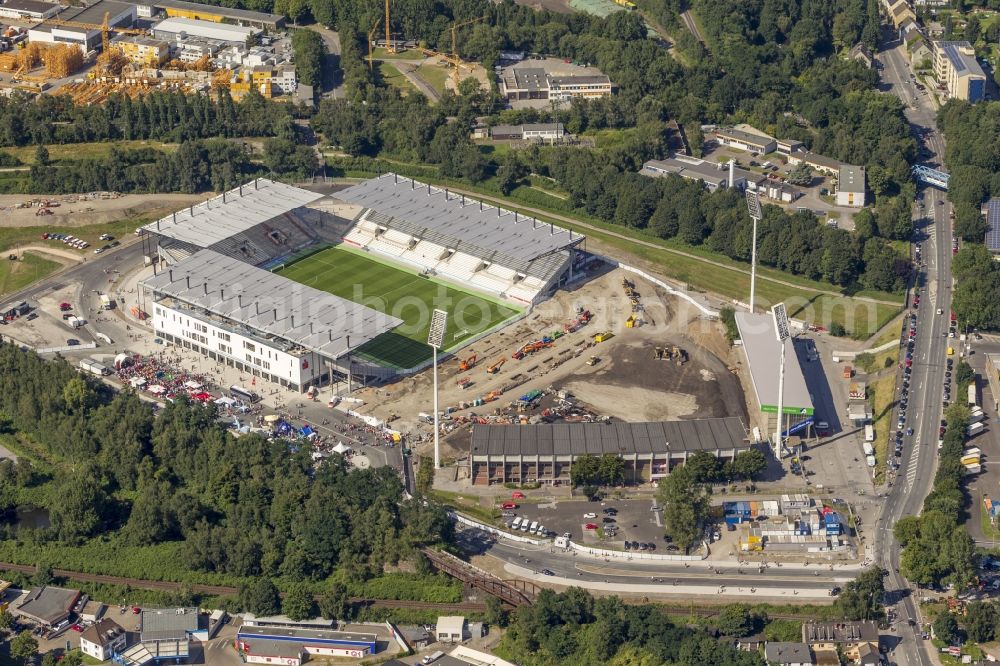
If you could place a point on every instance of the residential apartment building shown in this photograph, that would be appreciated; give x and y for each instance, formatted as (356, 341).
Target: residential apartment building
(103, 640)
(142, 51)
(956, 67)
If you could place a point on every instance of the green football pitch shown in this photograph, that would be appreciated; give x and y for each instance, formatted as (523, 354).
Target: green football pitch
(405, 294)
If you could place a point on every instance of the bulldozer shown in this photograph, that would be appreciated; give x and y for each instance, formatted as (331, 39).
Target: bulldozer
(468, 363)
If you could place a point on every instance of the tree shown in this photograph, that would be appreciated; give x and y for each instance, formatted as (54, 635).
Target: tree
(298, 602)
(6, 619)
(801, 174)
(685, 506)
(495, 613)
(945, 628)
(736, 620)
(865, 361)
(862, 597)
(41, 155)
(981, 621)
(511, 172)
(748, 464)
(23, 648)
(334, 604)
(260, 597)
(43, 574)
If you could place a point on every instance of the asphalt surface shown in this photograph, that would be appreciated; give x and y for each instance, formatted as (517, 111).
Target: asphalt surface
(916, 473)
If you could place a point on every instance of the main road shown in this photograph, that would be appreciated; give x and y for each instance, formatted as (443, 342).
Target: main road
(927, 382)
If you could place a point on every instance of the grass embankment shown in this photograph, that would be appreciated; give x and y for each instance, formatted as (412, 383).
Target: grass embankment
(396, 79)
(16, 275)
(435, 74)
(11, 237)
(72, 152)
(697, 267)
(407, 54)
(883, 392)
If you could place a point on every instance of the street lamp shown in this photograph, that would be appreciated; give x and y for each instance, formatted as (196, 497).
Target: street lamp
(435, 338)
(753, 207)
(780, 316)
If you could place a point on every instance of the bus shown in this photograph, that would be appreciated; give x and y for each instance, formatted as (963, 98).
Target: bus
(241, 393)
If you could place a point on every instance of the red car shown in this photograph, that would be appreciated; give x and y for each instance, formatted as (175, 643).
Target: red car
(508, 505)
(590, 526)
(136, 610)
(76, 628)
(517, 495)
(65, 306)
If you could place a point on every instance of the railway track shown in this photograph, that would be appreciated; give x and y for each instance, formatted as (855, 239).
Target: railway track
(169, 586)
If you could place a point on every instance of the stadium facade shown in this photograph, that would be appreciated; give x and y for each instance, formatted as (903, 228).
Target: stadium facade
(213, 289)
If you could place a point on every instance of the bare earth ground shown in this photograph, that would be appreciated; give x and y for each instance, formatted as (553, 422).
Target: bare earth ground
(627, 383)
(72, 213)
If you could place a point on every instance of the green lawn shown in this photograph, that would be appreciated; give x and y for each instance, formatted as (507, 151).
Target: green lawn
(78, 151)
(395, 78)
(406, 54)
(358, 277)
(16, 275)
(435, 74)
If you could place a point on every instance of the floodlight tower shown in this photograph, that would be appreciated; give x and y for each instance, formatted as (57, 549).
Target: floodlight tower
(780, 315)
(435, 338)
(753, 207)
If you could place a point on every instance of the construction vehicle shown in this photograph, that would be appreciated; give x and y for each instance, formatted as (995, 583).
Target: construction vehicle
(632, 321)
(495, 367)
(464, 383)
(603, 337)
(627, 4)
(468, 363)
(593, 360)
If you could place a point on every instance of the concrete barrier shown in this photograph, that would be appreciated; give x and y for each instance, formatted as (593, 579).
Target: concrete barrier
(492, 530)
(839, 356)
(66, 348)
(632, 555)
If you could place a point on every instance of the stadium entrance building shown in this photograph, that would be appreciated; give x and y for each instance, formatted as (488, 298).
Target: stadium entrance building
(215, 288)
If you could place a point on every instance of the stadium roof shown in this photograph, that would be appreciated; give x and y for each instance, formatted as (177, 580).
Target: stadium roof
(232, 212)
(761, 345)
(993, 225)
(720, 434)
(480, 229)
(272, 304)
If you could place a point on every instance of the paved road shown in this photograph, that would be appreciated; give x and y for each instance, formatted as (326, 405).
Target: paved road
(919, 460)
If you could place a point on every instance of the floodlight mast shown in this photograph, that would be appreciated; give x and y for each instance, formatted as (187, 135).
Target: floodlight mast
(753, 207)
(435, 338)
(780, 316)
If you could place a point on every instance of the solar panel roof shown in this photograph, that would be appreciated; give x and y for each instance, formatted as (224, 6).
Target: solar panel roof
(993, 225)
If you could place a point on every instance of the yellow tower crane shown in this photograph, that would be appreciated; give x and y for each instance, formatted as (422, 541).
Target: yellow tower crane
(371, 37)
(388, 36)
(454, 46)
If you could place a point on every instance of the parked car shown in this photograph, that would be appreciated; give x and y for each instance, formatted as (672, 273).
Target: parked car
(590, 515)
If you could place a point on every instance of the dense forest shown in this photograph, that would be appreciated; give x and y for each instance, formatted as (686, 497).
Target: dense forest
(104, 466)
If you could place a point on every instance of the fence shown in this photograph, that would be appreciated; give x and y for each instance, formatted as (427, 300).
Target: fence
(492, 530)
(66, 348)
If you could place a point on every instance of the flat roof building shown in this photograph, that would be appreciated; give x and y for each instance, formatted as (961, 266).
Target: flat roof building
(749, 141)
(120, 14)
(291, 646)
(466, 656)
(851, 186)
(827, 165)
(714, 176)
(167, 632)
(173, 28)
(529, 132)
(450, 629)
(763, 360)
(956, 67)
(992, 212)
(526, 83)
(213, 13)
(35, 10)
(544, 453)
(48, 605)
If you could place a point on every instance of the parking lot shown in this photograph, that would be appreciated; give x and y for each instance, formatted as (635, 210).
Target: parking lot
(631, 520)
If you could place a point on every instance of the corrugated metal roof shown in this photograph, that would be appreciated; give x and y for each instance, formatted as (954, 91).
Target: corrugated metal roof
(761, 346)
(458, 222)
(270, 303)
(563, 439)
(232, 212)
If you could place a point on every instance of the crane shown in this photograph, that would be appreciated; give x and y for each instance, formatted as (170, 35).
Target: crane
(454, 46)
(371, 36)
(388, 37)
(103, 27)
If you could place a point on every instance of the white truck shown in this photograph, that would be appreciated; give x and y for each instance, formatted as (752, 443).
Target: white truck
(76, 322)
(975, 417)
(868, 448)
(431, 658)
(94, 368)
(869, 433)
(107, 303)
(972, 393)
(974, 429)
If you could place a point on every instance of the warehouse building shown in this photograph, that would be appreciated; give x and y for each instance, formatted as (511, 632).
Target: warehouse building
(47, 606)
(544, 453)
(291, 646)
(120, 14)
(166, 633)
(956, 67)
(714, 176)
(763, 361)
(174, 29)
(529, 132)
(851, 186)
(536, 83)
(34, 10)
(213, 13)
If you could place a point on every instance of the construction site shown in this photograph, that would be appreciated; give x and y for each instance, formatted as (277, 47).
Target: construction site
(614, 348)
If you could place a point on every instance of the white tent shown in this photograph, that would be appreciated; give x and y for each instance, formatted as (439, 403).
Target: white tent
(225, 401)
(341, 448)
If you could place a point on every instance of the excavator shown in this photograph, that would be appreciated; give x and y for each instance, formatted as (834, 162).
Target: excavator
(495, 368)
(468, 363)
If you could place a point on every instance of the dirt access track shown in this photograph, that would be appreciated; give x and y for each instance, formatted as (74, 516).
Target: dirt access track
(78, 210)
(626, 383)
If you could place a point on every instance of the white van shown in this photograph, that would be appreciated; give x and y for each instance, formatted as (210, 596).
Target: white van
(516, 524)
(524, 525)
(534, 526)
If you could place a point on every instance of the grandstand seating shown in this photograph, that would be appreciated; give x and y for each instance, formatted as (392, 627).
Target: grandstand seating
(279, 237)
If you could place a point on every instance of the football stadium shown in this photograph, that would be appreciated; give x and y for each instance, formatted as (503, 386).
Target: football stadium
(303, 289)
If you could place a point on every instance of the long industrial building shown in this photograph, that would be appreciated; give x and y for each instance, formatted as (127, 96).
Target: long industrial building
(120, 14)
(544, 453)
